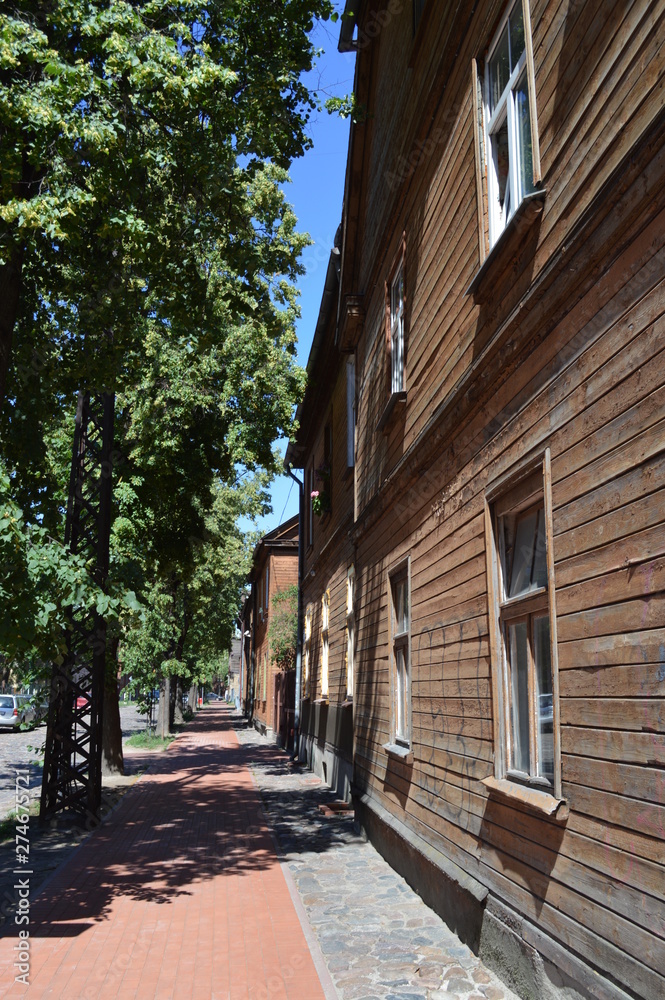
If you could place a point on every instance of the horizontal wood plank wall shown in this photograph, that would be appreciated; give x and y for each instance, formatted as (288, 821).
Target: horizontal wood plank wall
(580, 369)
(328, 560)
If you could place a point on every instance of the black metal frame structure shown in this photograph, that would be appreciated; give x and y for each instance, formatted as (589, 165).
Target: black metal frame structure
(72, 777)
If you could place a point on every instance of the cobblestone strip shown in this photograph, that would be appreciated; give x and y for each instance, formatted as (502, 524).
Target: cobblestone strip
(379, 940)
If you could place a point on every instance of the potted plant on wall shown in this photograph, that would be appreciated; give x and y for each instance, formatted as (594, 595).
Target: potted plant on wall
(321, 498)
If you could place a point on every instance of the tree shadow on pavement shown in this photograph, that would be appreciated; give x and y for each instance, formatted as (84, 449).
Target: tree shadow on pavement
(195, 816)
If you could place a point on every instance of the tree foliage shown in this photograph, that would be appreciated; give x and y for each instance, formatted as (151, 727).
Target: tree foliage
(146, 247)
(283, 628)
(140, 147)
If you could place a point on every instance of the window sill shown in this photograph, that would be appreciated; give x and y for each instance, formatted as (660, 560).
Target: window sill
(405, 754)
(348, 702)
(527, 212)
(534, 799)
(348, 473)
(321, 701)
(396, 398)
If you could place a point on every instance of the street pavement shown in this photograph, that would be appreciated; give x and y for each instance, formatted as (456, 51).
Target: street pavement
(23, 749)
(378, 938)
(217, 876)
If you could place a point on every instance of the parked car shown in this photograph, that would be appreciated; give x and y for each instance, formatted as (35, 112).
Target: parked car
(82, 701)
(15, 709)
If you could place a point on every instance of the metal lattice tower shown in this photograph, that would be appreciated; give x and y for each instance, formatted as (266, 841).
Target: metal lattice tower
(73, 759)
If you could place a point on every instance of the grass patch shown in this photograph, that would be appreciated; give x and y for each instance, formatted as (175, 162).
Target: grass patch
(8, 824)
(149, 741)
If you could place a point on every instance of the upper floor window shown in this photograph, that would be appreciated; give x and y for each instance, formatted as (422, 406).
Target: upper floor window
(397, 330)
(508, 125)
(525, 643)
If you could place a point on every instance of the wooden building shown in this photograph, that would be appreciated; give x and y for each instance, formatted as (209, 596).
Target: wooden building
(501, 302)
(324, 449)
(267, 696)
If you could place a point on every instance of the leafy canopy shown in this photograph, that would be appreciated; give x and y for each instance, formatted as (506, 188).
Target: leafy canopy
(141, 144)
(143, 152)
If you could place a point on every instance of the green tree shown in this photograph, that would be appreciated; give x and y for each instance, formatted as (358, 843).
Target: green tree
(145, 247)
(283, 628)
(132, 135)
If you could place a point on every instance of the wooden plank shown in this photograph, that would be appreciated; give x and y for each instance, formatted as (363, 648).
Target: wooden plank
(631, 648)
(646, 783)
(627, 746)
(626, 714)
(629, 680)
(645, 817)
(624, 521)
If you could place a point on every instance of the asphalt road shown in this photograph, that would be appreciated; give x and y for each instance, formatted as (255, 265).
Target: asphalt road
(24, 750)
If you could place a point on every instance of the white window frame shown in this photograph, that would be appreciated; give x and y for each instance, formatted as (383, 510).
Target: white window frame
(505, 109)
(267, 591)
(517, 494)
(400, 652)
(325, 647)
(350, 630)
(265, 676)
(396, 304)
(307, 653)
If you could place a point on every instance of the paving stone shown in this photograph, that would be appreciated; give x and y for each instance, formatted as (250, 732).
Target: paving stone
(396, 948)
(458, 986)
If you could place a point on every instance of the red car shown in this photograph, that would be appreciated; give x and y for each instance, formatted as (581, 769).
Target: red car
(82, 701)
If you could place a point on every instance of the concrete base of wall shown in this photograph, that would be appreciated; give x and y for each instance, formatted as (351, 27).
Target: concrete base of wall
(534, 965)
(261, 727)
(328, 765)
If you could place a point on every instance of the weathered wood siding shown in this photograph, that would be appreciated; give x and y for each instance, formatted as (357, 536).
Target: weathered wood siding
(562, 347)
(329, 724)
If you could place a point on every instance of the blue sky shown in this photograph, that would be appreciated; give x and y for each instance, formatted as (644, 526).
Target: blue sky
(316, 193)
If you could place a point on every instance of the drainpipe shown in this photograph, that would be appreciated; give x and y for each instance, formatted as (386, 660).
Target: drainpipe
(301, 573)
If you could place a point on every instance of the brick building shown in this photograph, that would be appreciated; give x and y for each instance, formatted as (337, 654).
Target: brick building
(267, 695)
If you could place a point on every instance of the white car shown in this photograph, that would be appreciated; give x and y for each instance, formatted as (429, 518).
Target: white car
(15, 709)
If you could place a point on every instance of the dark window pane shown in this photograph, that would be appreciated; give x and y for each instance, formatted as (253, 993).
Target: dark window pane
(519, 697)
(499, 70)
(516, 22)
(539, 575)
(544, 705)
(520, 577)
(418, 6)
(524, 136)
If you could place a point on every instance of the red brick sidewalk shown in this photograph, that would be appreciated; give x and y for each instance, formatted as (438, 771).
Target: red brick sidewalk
(179, 893)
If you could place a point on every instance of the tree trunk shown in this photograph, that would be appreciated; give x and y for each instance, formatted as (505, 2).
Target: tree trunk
(10, 296)
(163, 713)
(178, 719)
(193, 697)
(171, 704)
(112, 759)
